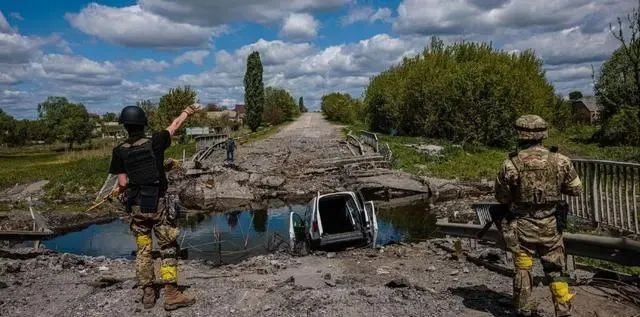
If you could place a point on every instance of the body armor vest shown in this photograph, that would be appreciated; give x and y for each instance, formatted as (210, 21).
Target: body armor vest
(144, 178)
(538, 178)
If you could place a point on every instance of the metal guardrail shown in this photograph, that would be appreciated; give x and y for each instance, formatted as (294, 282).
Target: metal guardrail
(619, 250)
(207, 140)
(610, 194)
(370, 139)
(352, 140)
(385, 151)
(205, 153)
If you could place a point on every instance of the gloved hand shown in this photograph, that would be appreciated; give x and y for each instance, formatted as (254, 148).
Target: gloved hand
(192, 108)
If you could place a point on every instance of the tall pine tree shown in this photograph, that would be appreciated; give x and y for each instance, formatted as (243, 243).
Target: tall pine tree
(303, 109)
(254, 91)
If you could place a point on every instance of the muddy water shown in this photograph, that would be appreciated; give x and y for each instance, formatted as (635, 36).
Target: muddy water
(231, 237)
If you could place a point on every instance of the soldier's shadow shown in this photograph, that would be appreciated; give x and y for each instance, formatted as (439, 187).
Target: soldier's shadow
(481, 298)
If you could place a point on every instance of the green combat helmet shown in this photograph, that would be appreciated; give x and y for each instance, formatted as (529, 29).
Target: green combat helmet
(531, 127)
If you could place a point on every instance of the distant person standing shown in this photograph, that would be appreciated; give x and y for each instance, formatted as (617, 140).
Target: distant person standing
(138, 162)
(231, 148)
(532, 182)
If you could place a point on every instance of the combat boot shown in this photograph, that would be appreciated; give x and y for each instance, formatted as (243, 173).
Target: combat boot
(174, 298)
(149, 297)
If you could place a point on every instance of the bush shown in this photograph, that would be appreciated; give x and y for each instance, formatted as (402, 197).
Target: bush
(623, 128)
(466, 92)
(341, 108)
(279, 106)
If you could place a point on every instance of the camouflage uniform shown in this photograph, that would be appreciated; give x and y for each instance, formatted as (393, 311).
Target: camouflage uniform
(166, 232)
(532, 181)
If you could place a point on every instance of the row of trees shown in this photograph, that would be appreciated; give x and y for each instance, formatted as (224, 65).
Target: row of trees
(63, 121)
(58, 120)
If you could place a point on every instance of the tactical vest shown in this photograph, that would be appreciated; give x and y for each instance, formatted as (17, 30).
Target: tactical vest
(144, 178)
(538, 179)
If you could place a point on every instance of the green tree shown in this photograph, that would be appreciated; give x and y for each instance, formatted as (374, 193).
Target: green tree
(254, 91)
(465, 92)
(7, 127)
(575, 95)
(301, 106)
(279, 106)
(617, 87)
(172, 104)
(109, 117)
(340, 107)
(151, 110)
(68, 122)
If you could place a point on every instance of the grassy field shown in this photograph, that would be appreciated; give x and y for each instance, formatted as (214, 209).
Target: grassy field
(77, 171)
(84, 169)
(475, 163)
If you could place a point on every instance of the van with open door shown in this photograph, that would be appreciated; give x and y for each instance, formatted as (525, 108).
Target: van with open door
(331, 220)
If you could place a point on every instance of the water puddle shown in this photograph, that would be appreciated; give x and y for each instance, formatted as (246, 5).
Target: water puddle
(232, 237)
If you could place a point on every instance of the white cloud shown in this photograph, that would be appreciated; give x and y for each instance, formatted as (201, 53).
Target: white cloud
(568, 46)
(366, 14)
(132, 26)
(144, 65)
(300, 26)
(80, 70)
(195, 57)
(211, 13)
(459, 17)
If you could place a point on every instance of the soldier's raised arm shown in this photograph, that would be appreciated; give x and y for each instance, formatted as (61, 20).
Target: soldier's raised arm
(177, 122)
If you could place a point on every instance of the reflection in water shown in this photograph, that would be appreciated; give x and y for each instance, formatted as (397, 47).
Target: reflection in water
(231, 237)
(260, 220)
(415, 223)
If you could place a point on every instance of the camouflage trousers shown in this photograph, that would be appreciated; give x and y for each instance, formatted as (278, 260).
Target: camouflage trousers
(526, 237)
(143, 225)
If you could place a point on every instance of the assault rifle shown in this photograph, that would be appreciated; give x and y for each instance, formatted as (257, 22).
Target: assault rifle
(500, 211)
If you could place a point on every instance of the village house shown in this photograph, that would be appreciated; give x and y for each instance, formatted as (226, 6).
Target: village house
(586, 110)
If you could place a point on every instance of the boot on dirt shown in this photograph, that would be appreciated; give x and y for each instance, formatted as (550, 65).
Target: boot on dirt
(149, 297)
(174, 298)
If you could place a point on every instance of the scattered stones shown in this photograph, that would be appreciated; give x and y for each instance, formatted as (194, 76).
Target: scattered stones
(431, 268)
(330, 283)
(382, 270)
(401, 282)
(454, 272)
(327, 276)
(103, 268)
(331, 255)
(465, 270)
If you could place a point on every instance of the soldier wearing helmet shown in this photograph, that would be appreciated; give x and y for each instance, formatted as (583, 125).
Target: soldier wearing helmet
(138, 162)
(531, 181)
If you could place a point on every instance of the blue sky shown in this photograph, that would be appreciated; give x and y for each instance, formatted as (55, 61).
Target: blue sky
(108, 54)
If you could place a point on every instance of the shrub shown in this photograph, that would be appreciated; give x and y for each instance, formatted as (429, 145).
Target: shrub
(341, 107)
(466, 92)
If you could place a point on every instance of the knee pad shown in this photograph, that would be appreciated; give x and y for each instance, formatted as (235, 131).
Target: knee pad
(522, 261)
(560, 291)
(143, 240)
(169, 273)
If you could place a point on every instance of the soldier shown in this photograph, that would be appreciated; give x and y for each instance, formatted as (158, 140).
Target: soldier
(138, 162)
(231, 148)
(531, 182)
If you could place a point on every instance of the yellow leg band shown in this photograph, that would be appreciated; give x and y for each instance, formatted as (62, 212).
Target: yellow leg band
(169, 273)
(523, 261)
(561, 293)
(143, 240)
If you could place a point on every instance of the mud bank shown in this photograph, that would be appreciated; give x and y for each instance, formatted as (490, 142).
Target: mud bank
(401, 280)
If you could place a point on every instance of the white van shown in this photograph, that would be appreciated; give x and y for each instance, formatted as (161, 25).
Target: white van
(342, 218)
